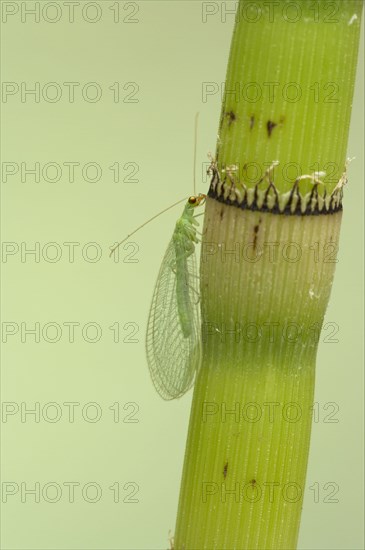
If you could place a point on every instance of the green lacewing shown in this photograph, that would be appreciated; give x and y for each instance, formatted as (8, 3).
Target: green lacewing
(173, 342)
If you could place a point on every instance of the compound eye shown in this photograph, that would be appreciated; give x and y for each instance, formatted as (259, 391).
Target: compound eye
(192, 200)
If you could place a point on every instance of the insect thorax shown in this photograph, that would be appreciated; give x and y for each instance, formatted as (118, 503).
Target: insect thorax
(185, 230)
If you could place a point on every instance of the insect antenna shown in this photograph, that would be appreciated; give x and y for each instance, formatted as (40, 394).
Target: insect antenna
(115, 247)
(195, 146)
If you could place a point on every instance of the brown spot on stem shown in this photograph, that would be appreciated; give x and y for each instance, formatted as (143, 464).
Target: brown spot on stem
(256, 230)
(253, 482)
(225, 469)
(252, 121)
(270, 125)
(231, 117)
(222, 214)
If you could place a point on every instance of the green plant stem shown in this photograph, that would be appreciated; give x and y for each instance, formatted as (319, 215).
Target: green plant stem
(266, 277)
(251, 416)
(289, 89)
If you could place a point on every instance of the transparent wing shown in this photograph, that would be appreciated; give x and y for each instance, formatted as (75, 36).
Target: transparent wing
(172, 358)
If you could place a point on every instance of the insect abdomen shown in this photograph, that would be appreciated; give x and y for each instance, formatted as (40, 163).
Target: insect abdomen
(184, 304)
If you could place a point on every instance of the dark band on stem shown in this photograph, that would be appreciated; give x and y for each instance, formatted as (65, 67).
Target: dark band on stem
(291, 203)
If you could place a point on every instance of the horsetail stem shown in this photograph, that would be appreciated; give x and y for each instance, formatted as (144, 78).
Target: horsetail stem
(271, 234)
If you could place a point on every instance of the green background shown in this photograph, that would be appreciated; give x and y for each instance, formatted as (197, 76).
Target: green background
(169, 52)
